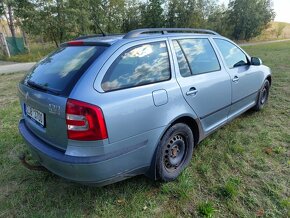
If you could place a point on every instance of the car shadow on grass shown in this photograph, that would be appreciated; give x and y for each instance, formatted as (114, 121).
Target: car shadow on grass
(47, 191)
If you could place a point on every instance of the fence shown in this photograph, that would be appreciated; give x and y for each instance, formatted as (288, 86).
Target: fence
(12, 45)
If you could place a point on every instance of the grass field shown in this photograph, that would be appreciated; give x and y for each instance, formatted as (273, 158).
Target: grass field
(242, 170)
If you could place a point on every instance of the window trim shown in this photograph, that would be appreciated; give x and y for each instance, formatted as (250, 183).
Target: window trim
(212, 46)
(186, 59)
(222, 56)
(115, 62)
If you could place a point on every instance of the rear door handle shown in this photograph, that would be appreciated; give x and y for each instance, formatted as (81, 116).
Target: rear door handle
(236, 79)
(192, 91)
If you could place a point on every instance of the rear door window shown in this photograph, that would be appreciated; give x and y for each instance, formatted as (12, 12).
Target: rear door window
(139, 65)
(62, 67)
(200, 56)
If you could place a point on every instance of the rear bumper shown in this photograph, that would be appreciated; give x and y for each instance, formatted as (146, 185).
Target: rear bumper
(102, 169)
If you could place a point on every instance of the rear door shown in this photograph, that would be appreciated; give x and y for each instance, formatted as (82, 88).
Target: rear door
(205, 84)
(43, 93)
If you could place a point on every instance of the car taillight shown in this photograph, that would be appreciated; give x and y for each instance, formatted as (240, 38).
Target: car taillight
(84, 121)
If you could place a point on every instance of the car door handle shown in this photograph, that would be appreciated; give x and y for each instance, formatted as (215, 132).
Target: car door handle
(192, 91)
(236, 79)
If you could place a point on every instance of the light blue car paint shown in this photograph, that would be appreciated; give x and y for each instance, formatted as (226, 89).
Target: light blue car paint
(136, 118)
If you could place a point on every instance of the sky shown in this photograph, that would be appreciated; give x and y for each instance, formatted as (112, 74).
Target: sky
(281, 8)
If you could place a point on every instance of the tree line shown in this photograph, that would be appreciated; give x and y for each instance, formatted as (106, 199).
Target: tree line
(61, 20)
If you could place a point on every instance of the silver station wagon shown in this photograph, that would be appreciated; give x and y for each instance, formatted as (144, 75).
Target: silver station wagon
(101, 109)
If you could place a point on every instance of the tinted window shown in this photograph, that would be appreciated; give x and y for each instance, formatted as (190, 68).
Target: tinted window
(140, 65)
(182, 62)
(200, 55)
(233, 56)
(57, 70)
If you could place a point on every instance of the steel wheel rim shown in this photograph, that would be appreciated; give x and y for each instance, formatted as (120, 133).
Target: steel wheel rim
(264, 95)
(175, 152)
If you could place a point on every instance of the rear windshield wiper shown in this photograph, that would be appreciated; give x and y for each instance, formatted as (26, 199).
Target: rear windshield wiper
(42, 88)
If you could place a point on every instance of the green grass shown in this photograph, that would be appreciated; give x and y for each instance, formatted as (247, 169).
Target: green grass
(242, 170)
(37, 52)
(206, 209)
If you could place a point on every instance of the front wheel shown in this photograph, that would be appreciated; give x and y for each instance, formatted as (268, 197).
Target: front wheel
(174, 152)
(262, 96)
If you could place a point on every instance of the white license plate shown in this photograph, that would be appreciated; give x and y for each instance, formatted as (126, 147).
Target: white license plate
(35, 115)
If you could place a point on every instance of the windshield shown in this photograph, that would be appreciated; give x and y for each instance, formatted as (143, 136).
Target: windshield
(56, 72)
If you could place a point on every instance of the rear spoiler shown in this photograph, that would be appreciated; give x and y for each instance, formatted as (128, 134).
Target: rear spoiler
(84, 43)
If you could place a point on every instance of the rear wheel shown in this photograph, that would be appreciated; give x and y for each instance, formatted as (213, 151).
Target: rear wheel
(174, 151)
(263, 96)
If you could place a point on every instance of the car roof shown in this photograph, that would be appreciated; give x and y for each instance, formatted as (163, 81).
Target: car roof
(113, 39)
(148, 33)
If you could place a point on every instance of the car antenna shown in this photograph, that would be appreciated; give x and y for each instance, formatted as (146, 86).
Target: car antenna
(103, 33)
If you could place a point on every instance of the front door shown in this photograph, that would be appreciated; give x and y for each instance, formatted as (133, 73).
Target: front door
(245, 78)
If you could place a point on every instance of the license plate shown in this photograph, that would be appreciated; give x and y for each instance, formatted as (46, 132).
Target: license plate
(35, 115)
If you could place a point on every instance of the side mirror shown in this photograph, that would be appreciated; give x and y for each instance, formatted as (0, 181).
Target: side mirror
(256, 61)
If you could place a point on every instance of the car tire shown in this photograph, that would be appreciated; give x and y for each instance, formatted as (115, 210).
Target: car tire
(174, 152)
(262, 96)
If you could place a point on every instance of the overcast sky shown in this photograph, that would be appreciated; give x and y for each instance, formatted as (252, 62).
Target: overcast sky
(281, 8)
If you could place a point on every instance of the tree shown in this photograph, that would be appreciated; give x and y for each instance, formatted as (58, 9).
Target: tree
(132, 16)
(113, 15)
(152, 14)
(248, 18)
(176, 14)
(189, 13)
(217, 20)
(54, 20)
(61, 20)
(6, 9)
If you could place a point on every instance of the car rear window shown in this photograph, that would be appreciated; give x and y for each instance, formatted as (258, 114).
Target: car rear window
(58, 71)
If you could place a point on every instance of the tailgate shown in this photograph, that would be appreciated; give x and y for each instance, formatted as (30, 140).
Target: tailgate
(43, 93)
(44, 115)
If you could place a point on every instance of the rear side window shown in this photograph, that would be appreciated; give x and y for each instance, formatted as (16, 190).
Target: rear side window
(234, 57)
(200, 55)
(57, 71)
(140, 65)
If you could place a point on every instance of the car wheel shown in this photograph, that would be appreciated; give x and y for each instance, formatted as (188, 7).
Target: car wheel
(263, 96)
(174, 152)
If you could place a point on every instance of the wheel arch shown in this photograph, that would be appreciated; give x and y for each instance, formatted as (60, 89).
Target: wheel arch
(195, 127)
(191, 123)
(269, 78)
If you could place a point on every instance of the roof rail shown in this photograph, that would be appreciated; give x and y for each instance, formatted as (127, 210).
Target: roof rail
(138, 32)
